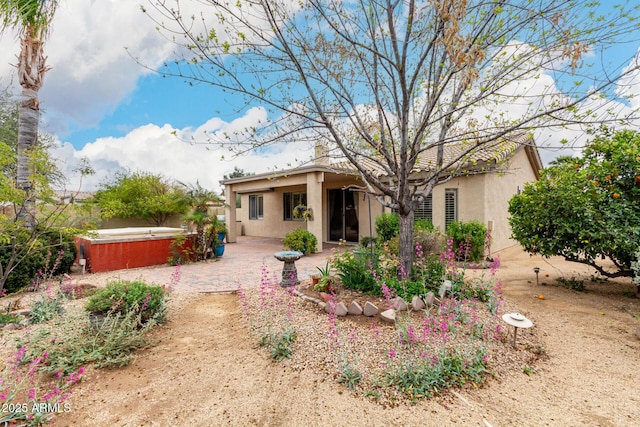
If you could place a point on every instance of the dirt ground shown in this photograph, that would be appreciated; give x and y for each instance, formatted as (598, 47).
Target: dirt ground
(204, 369)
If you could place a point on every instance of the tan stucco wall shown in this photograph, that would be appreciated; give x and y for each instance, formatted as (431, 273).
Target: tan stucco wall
(272, 225)
(485, 198)
(500, 189)
(482, 197)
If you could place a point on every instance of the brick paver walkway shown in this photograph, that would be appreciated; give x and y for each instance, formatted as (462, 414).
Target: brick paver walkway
(241, 264)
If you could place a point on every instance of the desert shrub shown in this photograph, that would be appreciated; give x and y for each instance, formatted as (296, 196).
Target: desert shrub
(121, 297)
(573, 283)
(71, 341)
(387, 226)
(429, 273)
(430, 241)
(468, 239)
(301, 240)
(405, 288)
(46, 308)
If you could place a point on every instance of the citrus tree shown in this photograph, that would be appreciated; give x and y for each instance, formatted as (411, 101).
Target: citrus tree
(585, 208)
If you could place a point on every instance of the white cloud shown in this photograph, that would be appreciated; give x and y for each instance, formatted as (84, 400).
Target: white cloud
(159, 150)
(91, 71)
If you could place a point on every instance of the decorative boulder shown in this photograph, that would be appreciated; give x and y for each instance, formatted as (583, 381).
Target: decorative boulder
(446, 287)
(370, 309)
(417, 304)
(399, 304)
(355, 308)
(338, 309)
(388, 315)
(430, 299)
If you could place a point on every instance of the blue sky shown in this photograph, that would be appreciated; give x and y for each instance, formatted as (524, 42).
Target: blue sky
(100, 104)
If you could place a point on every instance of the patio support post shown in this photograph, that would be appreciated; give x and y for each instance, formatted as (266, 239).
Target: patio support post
(314, 201)
(230, 217)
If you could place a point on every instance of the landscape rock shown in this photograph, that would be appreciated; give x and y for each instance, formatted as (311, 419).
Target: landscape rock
(325, 296)
(11, 327)
(399, 304)
(638, 332)
(430, 299)
(338, 309)
(24, 312)
(355, 308)
(388, 315)
(370, 309)
(417, 304)
(446, 287)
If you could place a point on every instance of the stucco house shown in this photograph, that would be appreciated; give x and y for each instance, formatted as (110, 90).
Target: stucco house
(262, 205)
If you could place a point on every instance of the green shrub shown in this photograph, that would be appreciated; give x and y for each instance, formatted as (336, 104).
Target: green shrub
(424, 225)
(6, 318)
(121, 297)
(429, 273)
(301, 240)
(387, 226)
(60, 242)
(468, 239)
(24, 272)
(355, 271)
(52, 254)
(367, 241)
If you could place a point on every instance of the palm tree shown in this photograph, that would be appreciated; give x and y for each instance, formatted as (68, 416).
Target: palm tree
(32, 21)
(206, 225)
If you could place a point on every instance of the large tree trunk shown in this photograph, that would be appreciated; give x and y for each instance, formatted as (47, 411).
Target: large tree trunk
(27, 137)
(406, 240)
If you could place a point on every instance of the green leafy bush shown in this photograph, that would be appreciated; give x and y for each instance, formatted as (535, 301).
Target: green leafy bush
(60, 242)
(53, 254)
(424, 225)
(468, 239)
(429, 273)
(387, 226)
(355, 271)
(121, 297)
(301, 240)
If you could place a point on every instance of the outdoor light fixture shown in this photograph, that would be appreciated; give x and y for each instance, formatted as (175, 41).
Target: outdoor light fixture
(536, 270)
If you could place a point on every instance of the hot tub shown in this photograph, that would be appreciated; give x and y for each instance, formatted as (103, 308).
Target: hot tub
(120, 248)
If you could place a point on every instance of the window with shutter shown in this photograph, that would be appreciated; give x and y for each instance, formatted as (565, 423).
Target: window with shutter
(425, 210)
(450, 206)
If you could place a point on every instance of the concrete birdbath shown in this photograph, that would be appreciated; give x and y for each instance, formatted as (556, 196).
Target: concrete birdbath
(289, 271)
(516, 320)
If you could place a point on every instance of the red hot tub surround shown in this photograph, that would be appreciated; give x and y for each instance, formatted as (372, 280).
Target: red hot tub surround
(121, 248)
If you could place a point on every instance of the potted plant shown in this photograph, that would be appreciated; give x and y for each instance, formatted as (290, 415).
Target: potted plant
(325, 281)
(218, 232)
(303, 212)
(301, 240)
